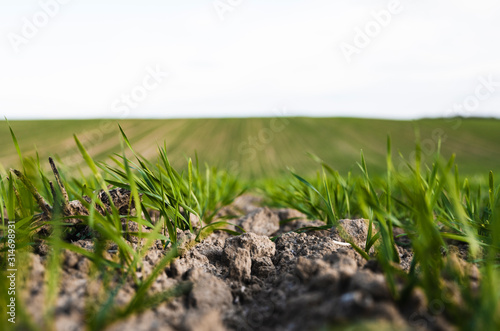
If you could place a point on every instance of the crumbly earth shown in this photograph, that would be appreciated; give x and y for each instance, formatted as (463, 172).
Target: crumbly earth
(303, 281)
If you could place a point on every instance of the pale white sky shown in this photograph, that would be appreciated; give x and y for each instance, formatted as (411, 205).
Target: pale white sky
(265, 55)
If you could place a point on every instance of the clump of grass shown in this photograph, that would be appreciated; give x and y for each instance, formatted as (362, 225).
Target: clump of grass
(435, 209)
(212, 189)
(433, 205)
(176, 195)
(152, 186)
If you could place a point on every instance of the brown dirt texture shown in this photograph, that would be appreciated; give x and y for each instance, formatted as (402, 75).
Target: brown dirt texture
(299, 281)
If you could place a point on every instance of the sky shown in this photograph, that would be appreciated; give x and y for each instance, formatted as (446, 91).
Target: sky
(237, 58)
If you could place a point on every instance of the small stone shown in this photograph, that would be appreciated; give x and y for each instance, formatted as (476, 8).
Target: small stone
(240, 251)
(356, 229)
(262, 221)
(257, 246)
(209, 292)
(240, 265)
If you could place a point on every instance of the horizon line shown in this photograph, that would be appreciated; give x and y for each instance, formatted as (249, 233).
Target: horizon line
(5, 119)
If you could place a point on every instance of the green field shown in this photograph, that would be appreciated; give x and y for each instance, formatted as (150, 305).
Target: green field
(262, 147)
(434, 232)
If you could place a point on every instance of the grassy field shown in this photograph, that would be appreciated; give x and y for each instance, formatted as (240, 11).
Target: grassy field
(435, 208)
(262, 147)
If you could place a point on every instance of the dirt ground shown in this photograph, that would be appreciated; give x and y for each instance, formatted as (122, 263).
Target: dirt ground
(306, 281)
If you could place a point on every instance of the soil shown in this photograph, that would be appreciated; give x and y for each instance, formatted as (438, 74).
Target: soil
(300, 281)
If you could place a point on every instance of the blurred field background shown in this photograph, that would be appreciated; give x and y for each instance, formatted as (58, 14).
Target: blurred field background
(261, 147)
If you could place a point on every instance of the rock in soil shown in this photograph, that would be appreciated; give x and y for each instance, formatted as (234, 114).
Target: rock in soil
(262, 221)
